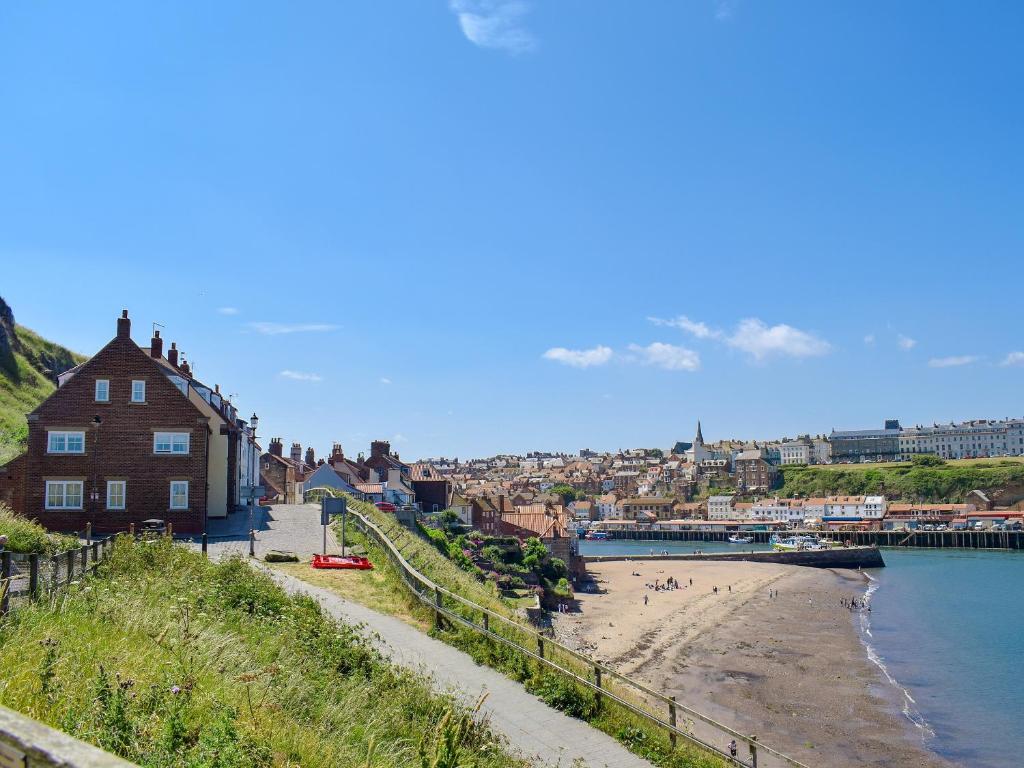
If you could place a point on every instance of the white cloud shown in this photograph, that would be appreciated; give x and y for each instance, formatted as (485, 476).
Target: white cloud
(300, 376)
(698, 329)
(228, 310)
(399, 438)
(667, 356)
(494, 24)
(951, 361)
(385, 380)
(276, 329)
(905, 342)
(579, 358)
(1013, 358)
(725, 9)
(761, 341)
(870, 339)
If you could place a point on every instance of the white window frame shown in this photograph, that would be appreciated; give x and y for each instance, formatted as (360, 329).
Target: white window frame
(106, 390)
(63, 435)
(172, 439)
(124, 493)
(136, 383)
(64, 485)
(171, 503)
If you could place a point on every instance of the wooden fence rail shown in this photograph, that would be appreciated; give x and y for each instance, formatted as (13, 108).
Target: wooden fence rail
(607, 684)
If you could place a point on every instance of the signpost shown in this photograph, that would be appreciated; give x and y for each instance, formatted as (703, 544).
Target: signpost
(329, 507)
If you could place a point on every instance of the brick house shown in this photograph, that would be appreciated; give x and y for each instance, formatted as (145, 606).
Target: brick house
(753, 471)
(433, 490)
(130, 435)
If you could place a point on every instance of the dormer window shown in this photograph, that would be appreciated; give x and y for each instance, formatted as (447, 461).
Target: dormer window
(102, 391)
(138, 391)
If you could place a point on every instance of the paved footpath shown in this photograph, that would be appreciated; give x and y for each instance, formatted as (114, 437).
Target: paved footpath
(541, 734)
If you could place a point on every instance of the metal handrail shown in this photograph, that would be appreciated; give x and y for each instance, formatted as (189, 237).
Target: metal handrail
(409, 574)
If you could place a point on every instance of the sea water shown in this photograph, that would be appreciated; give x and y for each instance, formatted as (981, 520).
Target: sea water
(946, 628)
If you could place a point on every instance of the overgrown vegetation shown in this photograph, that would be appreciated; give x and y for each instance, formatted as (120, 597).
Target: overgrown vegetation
(25, 536)
(920, 481)
(169, 660)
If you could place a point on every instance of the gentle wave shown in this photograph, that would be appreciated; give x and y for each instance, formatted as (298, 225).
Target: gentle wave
(910, 710)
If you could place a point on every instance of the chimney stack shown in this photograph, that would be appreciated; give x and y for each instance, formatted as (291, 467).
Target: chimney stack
(276, 446)
(185, 368)
(379, 448)
(172, 354)
(310, 457)
(124, 326)
(156, 346)
(296, 453)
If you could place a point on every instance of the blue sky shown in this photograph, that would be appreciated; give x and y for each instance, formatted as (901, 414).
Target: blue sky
(480, 226)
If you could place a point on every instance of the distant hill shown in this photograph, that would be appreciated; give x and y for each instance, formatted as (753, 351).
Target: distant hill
(29, 366)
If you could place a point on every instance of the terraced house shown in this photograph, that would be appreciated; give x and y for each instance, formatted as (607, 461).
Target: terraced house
(131, 435)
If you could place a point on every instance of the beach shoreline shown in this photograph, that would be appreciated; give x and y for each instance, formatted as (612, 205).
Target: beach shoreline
(790, 667)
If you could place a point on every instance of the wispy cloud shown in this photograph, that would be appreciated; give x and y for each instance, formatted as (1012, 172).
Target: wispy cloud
(385, 380)
(667, 356)
(579, 358)
(682, 322)
(228, 310)
(1013, 358)
(300, 376)
(495, 24)
(952, 361)
(725, 9)
(905, 342)
(761, 341)
(276, 329)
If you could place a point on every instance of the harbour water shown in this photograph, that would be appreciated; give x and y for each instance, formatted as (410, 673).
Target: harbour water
(947, 630)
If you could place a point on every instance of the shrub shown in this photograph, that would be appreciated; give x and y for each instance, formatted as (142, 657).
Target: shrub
(559, 692)
(26, 536)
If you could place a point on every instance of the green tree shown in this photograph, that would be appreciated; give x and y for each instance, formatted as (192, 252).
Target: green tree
(567, 492)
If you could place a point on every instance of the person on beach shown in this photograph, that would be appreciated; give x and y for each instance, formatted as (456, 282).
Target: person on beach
(730, 587)
(645, 599)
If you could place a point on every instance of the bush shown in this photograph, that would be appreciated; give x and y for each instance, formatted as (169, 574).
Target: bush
(25, 536)
(559, 692)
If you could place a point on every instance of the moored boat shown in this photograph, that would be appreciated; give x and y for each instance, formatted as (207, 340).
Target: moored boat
(740, 540)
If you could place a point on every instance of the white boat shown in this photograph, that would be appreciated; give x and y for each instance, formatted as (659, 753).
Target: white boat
(740, 540)
(798, 544)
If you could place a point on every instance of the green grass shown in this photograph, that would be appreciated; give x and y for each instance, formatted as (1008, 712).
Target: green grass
(169, 660)
(556, 690)
(25, 386)
(951, 482)
(26, 536)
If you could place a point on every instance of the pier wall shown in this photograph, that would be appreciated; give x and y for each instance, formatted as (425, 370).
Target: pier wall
(926, 539)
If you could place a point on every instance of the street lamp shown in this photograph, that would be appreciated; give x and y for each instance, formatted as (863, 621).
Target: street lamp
(253, 482)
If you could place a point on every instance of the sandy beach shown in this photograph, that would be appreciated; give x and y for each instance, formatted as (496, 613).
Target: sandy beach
(790, 668)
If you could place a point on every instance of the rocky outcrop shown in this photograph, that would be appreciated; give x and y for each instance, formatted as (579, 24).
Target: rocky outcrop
(8, 340)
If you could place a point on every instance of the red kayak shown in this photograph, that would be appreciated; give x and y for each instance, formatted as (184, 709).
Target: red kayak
(337, 561)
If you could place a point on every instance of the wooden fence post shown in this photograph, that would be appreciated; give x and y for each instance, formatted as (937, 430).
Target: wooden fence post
(85, 559)
(487, 627)
(5, 582)
(54, 572)
(204, 545)
(33, 575)
(437, 608)
(672, 719)
(753, 751)
(597, 682)
(540, 646)
(71, 565)
(131, 530)
(88, 533)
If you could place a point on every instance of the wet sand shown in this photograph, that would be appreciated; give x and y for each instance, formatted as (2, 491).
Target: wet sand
(790, 668)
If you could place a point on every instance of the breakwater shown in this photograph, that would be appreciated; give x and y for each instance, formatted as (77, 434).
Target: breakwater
(838, 557)
(925, 539)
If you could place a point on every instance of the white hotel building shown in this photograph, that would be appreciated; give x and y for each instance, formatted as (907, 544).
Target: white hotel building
(966, 440)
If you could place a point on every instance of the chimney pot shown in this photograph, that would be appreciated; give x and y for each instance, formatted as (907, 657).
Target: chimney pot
(172, 354)
(124, 326)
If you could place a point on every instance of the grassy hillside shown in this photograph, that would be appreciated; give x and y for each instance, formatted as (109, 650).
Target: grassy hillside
(28, 373)
(168, 660)
(949, 482)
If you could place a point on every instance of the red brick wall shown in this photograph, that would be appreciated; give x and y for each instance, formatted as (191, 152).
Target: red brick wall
(12, 484)
(121, 448)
